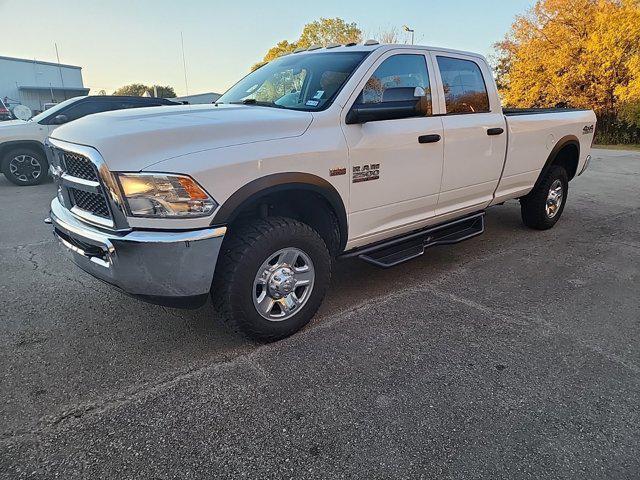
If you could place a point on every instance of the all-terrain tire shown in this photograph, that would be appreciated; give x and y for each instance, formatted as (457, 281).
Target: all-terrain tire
(244, 251)
(537, 208)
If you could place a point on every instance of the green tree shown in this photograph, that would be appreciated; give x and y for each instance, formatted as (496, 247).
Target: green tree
(139, 89)
(133, 90)
(163, 91)
(320, 32)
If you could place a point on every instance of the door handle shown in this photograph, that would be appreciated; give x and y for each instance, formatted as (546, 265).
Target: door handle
(495, 131)
(429, 138)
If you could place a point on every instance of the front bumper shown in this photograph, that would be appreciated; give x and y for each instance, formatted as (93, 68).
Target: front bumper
(167, 268)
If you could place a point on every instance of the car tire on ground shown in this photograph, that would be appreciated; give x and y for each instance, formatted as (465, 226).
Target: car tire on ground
(25, 166)
(543, 206)
(271, 277)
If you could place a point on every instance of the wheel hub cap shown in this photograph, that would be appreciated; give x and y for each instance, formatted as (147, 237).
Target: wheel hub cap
(283, 284)
(25, 168)
(554, 199)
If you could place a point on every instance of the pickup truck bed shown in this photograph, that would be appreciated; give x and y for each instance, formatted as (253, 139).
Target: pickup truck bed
(533, 136)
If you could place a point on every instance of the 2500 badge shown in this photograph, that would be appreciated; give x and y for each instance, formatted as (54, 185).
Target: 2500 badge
(364, 173)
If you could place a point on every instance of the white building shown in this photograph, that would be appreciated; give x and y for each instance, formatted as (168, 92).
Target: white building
(34, 83)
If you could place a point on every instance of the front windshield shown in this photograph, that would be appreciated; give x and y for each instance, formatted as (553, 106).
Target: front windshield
(297, 81)
(52, 111)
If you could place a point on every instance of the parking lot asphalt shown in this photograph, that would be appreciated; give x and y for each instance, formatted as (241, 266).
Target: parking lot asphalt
(513, 355)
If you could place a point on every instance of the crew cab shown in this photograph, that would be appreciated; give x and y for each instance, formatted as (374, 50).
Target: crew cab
(369, 151)
(22, 156)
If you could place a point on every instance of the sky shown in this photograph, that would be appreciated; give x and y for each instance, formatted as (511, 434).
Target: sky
(120, 42)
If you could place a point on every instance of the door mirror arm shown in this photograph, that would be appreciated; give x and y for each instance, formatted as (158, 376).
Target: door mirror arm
(353, 116)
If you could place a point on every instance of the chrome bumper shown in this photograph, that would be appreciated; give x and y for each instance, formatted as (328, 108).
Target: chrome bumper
(167, 268)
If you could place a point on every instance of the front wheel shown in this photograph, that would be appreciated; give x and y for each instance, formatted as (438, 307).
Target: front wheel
(271, 277)
(543, 206)
(25, 166)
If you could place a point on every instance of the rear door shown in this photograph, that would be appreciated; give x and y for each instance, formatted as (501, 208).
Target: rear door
(395, 179)
(475, 133)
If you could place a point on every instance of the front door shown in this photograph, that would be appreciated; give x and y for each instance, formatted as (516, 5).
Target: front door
(395, 179)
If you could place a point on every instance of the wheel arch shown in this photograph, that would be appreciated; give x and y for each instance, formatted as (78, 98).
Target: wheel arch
(566, 152)
(277, 184)
(6, 147)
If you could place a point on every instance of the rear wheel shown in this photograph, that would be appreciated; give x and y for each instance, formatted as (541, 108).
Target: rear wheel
(543, 206)
(25, 166)
(271, 277)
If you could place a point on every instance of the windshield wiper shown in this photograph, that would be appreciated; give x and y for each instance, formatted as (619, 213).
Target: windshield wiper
(253, 101)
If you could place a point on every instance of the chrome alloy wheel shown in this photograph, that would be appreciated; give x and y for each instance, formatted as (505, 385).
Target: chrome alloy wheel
(554, 199)
(283, 284)
(25, 168)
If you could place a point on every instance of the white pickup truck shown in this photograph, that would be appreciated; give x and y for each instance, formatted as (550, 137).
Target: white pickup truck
(369, 151)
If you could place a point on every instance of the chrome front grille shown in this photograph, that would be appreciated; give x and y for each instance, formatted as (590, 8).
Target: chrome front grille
(94, 203)
(79, 166)
(81, 189)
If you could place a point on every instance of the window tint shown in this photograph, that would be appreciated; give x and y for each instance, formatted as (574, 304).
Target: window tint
(83, 109)
(401, 78)
(464, 87)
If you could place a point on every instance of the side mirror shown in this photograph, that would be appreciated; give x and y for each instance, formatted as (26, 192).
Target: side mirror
(419, 92)
(381, 111)
(60, 119)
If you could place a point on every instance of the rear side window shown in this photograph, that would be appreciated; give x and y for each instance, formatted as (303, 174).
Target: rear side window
(464, 87)
(401, 78)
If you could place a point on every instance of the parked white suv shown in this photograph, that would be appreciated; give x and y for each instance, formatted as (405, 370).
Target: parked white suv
(374, 151)
(22, 156)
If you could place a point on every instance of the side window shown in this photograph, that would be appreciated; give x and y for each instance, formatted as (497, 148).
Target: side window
(86, 108)
(464, 87)
(401, 78)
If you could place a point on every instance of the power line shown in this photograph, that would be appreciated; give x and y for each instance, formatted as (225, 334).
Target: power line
(184, 64)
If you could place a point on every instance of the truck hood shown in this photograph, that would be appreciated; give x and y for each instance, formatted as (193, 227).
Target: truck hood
(131, 140)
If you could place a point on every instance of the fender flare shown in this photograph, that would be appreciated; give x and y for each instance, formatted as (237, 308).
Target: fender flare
(279, 182)
(560, 144)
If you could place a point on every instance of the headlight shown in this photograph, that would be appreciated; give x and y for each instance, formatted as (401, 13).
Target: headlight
(163, 195)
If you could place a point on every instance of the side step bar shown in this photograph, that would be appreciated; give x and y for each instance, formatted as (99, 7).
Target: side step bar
(390, 253)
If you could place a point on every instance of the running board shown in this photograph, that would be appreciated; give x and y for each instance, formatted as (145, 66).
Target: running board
(401, 249)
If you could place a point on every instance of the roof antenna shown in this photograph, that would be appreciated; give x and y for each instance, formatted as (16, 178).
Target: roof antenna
(184, 64)
(60, 69)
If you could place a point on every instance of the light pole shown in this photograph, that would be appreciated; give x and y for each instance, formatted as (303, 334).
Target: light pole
(410, 30)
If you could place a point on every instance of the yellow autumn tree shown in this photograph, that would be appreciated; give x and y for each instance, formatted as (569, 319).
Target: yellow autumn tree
(320, 32)
(582, 53)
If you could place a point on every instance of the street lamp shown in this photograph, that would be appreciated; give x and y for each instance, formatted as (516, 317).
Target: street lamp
(409, 30)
